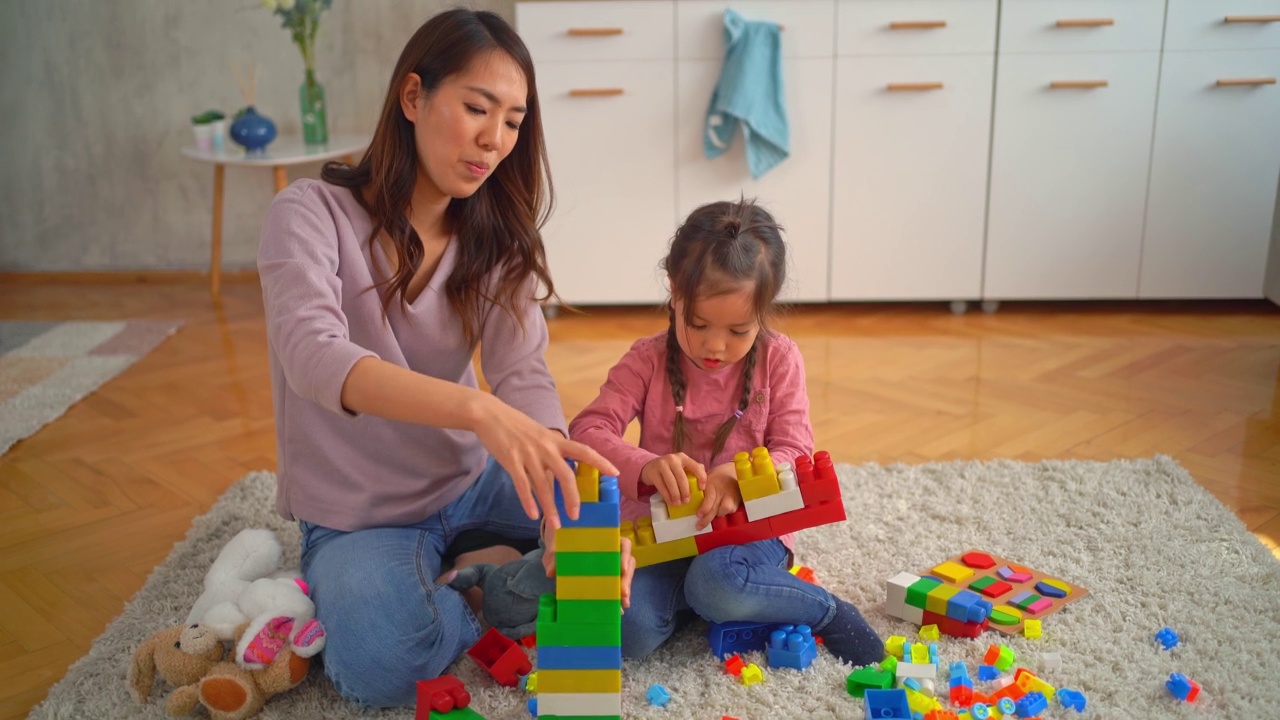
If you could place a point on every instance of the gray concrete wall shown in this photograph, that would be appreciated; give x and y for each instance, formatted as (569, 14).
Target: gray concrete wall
(97, 97)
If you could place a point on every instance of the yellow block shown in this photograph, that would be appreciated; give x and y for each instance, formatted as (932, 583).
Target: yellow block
(751, 674)
(930, 632)
(653, 553)
(757, 476)
(579, 681)
(919, 654)
(588, 587)
(952, 571)
(893, 645)
(1031, 629)
(1032, 683)
(936, 601)
(588, 480)
(691, 507)
(531, 684)
(587, 539)
(921, 703)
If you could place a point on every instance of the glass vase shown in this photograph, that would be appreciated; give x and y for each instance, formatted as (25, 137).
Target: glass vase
(315, 121)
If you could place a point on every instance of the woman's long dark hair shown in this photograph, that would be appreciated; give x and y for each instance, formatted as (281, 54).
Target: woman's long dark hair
(498, 226)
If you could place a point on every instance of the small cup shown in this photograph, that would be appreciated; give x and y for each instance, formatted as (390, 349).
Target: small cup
(219, 135)
(204, 134)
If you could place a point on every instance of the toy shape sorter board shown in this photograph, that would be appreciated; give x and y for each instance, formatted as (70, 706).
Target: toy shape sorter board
(943, 595)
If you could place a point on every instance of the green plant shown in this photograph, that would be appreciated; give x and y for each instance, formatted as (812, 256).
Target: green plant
(206, 117)
(302, 19)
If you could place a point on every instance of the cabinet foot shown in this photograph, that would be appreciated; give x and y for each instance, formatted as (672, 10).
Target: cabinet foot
(959, 307)
(990, 306)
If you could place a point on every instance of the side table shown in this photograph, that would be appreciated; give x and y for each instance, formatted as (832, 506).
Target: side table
(279, 155)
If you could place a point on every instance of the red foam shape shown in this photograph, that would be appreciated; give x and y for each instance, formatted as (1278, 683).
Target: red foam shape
(442, 695)
(734, 665)
(501, 657)
(979, 560)
(996, 589)
(807, 517)
(805, 573)
(733, 529)
(955, 628)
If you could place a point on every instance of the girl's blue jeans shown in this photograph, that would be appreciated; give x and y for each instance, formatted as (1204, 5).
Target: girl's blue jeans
(387, 624)
(750, 583)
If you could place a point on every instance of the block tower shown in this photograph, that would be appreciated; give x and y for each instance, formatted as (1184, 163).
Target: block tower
(580, 627)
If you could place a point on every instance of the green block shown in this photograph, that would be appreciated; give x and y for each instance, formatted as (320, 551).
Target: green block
(579, 717)
(581, 563)
(1027, 602)
(465, 713)
(982, 583)
(867, 678)
(920, 590)
(571, 632)
(590, 611)
(890, 665)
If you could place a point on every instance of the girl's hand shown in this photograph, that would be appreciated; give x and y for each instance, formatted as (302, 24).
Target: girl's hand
(549, 558)
(721, 495)
(669, 474)
(534, 456)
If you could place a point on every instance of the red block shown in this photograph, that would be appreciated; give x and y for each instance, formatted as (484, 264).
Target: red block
(996, 589)
(501, 657)
(442, 695)
(955, 628)
(961, 696)
(807, 517)
(733, 529)
(818, 483)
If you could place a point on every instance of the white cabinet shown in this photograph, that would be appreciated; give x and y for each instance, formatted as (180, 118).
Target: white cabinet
(797, 191)
(913, 119)
(1216, 157)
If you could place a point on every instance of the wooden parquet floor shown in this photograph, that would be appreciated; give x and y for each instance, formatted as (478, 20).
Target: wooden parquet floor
(91, 503)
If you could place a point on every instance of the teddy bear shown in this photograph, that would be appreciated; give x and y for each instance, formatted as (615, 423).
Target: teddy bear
(245, 586)
(191, 659)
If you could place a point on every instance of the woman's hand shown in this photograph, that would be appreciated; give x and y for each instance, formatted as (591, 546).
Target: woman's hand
(669, 474)
(534, 456)
(720, 496)
(549, 527)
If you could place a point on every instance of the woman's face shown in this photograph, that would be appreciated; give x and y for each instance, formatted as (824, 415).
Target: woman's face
(468, 125)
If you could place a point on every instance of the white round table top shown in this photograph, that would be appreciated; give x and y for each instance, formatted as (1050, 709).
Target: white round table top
(284, 150)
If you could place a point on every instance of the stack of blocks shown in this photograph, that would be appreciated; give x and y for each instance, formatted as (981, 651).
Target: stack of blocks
(580, 627)
(926, 601)
(776, 500)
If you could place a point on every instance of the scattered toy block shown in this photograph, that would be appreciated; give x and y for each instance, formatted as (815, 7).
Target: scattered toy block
(738, 637)
(792, 646)
(1051, 661)
(930, 632)
(1031, 629)
(734, 665)
(1072, 699)
(887, 704)
(752, 674)
(1167, 638)
(501, 657)
(657, 695)
(867, 678)
(1182, 688)
(440, 694)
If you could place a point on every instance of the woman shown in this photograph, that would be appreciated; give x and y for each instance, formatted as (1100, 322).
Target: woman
(379, 282)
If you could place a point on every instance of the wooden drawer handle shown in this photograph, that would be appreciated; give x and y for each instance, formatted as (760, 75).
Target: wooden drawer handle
(1228, 82)
(1077, 84)
(1251, 18)
(594, 31)
(1086, 22)
(917, 24)
(913, 86)
(595, 92)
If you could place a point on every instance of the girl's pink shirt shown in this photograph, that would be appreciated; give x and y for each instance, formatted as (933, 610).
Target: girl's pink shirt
(777, 416)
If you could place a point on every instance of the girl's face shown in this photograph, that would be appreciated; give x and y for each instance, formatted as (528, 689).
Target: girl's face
(468, 125)
(724, 328)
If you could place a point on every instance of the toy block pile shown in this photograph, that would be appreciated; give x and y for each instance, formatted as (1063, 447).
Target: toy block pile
(580, 627)
(777, 500)
(925, 601)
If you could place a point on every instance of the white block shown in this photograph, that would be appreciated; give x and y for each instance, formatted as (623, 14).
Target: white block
(1051, 661)
(666, 529)
(912, 614)
(572, 704)
(775, 504)
(895, 594)
(919, 671)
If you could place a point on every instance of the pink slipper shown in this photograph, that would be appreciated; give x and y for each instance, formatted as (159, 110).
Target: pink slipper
(267, 643)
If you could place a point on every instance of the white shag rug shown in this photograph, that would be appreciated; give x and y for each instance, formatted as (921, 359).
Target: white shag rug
(1152, 547)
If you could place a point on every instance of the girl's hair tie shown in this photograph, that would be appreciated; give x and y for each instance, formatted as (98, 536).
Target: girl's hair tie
(679, 408)
(737, 414)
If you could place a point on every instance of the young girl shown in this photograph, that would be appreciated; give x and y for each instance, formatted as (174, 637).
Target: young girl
(715, 383)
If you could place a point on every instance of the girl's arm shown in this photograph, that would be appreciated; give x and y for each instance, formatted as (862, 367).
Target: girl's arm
(602, 424)
(788, 431)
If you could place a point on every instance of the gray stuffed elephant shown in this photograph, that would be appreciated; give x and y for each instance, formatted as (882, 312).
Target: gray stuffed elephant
(510, 592)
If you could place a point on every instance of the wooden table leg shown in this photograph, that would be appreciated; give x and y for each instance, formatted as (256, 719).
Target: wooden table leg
(282, 177)
(215, 259)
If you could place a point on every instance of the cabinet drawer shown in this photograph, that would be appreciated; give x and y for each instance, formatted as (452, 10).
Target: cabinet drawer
(612, 159)
(1058, 26)
(569, 31)
(915, 27)
(1222, 25)
(806, 26)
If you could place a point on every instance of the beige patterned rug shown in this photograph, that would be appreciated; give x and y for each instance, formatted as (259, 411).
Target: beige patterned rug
(46, 367)
(1152, 547)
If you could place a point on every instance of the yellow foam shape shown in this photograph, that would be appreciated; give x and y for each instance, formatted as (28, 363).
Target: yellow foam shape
(936, 601)
(588, 587)
(580, 681)
(1058, 584)
(952, 572)
(1005, 615)
(587, 539)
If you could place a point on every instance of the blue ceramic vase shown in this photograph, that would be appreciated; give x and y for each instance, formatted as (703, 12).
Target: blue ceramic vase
(253, 131)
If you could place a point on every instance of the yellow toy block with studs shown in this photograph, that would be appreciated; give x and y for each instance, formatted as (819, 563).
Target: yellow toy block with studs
(580, 681)
(691, 507)
(751, 674)
(893, 645)
(587, 539)
(930, 632)
(936, 600)
(1031, 629)
(588, 587)
(757, 476)
(587, 478)
(648, 551)
(919, 654)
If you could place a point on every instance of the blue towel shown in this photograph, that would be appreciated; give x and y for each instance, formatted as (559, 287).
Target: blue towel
(749, 93)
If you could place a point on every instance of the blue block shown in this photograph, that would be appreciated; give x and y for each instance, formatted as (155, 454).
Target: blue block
(605, 513)
(1073, 699)
(933, 653)
(1179, 686)
(533, 706)
(912, 683)
(658, 695)
(959, 669)
(1167, 638)
(958, 604)
(979, 611)
(738, 637)
(962, 681)
(555, 657)
(792, 646)
(886, 705)
(987, 673)
(1031, 704)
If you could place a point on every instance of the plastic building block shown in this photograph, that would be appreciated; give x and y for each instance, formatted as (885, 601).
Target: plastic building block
(933, 653)
(691, 507)
(941, 715)
(889, 664)
(757, 476)
(920, 703)
(987, 673)
(734, 665)
(733, 529)
(555, 657)
(961, 696)
(930, 632)
(1072, 699)
(894, 644)
(937, 600)
(807, 517)
(792, 646)
(530, 641)
(580, 681)
(1031, 629)
(738, 637)
(1007, 706)
(955, 628)
(787, 500)
(658, 695)
(604, 563)
(587, 478)
(805, 573)
(580, 587)
(532, 706)
(579, 704)
(1051, 661)
(912, 684)
(565, 632)
(600, 513)
(441, 694)
(979, 711)
(886, 705)
(752, 674)
(919, 671)
(959, 671)
(646, 549)
(587, 539)
(529, 683)
(1182, 688)
(1167, 638)
(667, 528)
(501, 657)
(1002, 656)
(1030, 682)
(465, 713)
(867, 678)
(920, 654)
(1031, 704)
